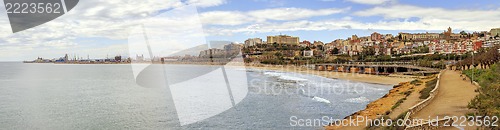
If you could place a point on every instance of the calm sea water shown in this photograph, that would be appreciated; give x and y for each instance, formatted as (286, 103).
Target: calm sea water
(49, 96)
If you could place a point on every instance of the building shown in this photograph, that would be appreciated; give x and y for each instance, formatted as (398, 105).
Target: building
(139, 58)
(494, 32)
(477, 45)
(283, 39)
(308, 53)
(252, 42)
(305, 44)
(376, 36)
(232, 49)
(419, 36)
(212, 53)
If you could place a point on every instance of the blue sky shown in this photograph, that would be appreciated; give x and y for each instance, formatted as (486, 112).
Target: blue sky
(101, 28)
(329, 35)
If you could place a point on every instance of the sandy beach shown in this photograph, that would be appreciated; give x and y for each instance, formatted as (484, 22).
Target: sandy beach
(376, 79)
(373, 109)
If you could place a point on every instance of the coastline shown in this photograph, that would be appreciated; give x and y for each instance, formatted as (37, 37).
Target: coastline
(366, 78)
(372, 110)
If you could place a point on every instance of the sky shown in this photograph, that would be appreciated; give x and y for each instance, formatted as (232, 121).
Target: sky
(97, 28)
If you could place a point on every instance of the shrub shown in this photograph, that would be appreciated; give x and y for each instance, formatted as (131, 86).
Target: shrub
(487, 103)
(429, 86)
(416, 82)
(398, 103)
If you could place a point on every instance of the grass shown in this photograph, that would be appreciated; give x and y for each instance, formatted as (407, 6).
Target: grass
(429, 86)
(398, 103)
(474, 72)
(487, 102)
(416, 82)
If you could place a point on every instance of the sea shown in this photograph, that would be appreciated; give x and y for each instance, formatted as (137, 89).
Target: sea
(100, 96)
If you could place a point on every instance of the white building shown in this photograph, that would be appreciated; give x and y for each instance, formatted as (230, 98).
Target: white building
(252, 42)
(308, 53)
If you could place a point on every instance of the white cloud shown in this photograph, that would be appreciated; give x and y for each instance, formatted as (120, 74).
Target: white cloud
(408, 11)
(475, 20)
(396, 17)
(260, 16)
(206, 3)
(292, 13)
(225, 18)
(370, 2)
(437, 25)
(272, 3)
(110, 19)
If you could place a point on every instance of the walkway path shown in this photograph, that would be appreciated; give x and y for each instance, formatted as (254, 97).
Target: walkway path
(452, 99)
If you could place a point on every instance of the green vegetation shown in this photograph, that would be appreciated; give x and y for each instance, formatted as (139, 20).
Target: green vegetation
(416, 82)
(484, 59)
(429, 86)
(421, 49)
(474, 73)
(407, 93)
(398, 103)
(487, 102)
(431, 57)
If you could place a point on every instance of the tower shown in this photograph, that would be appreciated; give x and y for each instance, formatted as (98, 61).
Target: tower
(66, 58)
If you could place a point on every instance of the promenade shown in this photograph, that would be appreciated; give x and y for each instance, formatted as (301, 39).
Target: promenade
(452, 99)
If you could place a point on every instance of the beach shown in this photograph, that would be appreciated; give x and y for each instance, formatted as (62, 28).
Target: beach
(367, 78)
(373, 109)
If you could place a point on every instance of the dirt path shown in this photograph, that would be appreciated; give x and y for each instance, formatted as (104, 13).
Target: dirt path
(409, 102)
(452, 99)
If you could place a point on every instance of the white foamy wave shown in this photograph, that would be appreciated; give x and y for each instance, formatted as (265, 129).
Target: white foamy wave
(274, 74)
(358, 100)
(319, 99)
(282, 76)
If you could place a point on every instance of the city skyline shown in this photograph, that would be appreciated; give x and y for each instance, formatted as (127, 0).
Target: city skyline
(102, 30)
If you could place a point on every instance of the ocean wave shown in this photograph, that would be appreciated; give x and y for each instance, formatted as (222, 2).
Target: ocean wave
(319, 99)
(358, 100)
(282, 76)
(274, 74)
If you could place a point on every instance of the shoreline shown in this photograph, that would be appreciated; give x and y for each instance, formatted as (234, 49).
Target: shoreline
(366, 78)
(373, 109)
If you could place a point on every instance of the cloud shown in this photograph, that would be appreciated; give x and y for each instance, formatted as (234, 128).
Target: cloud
(293, 13)
(369, 2)
(438, 17)
(272, 3)
(428, 19)
(408, 11)
(206, 3)
(110, 19)
(225, 18)
(260, 16)
(437, 25)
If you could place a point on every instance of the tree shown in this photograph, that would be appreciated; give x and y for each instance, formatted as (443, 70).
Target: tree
(487, 102)
(463, 33)
(368, 51)
(335, 51)
(278, 54)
